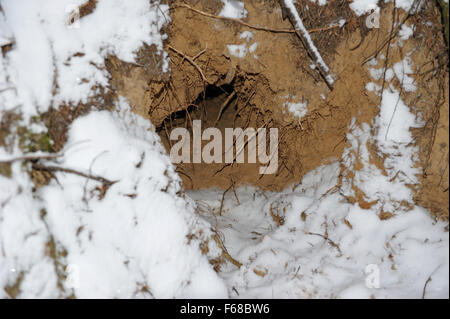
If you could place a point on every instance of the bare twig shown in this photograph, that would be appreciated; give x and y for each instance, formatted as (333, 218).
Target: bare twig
(191, 61)
(392, 35)
(234, 192)
(180, 170)
(87, 179)
(8, 88)
(31, 157)
(100, 179)
(225, 252)
(200, 53)
(332, 243)
(290, 12)
(223, 199)
(248, 25)
(395, 108)
(224, 105)
(221, 169)
(428, 281)
(387, 52)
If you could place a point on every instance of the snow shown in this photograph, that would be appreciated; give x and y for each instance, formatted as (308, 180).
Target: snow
(372, 87)
(361, 7)
(300, 264)
(135, 237)
(140, 237)
(386, 190)
(406, 5)
(5, 32)
(134, 241)
(152, 248)
(238, 50)
(367, 257)
(300, 27)
(247, 35)
(71, 59)
(405, 32)
(253, 47)
(391, 134)
(402, 71)
(401, 121)
(298, 109)
(23, 239)
(233, 9)
(320, 2)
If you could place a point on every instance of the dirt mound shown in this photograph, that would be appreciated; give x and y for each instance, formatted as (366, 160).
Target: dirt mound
(277, 72)
(265, 71)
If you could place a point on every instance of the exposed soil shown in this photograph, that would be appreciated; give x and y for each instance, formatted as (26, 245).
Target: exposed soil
(203, 73)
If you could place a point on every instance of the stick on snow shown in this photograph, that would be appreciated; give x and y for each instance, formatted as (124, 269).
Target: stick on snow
(289, 11)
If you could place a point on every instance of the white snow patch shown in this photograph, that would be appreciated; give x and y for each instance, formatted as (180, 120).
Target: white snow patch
(361, 7)
(405, 32)
(233, 9)
(299, 263)
(23, 239)
(372, 87)
(6, 36)
(136, 236)
(298, 109)
(402, 71)
(320, 2)
(296, 106)
(253, 47)
(71, 58)
(241, 50)
(247, 35)
(238, 50)
(133, 242)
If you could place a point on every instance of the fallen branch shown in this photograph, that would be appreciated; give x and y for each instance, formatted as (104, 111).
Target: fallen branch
(97, 178)
(224, 105)
(223, 198)
(234, 192)
(332, 243)
(387, 57)
(7, 88)
(248, 25)
(191, 60)
(290, 12)
(30, 157)
(81, 11)
(45, 156)
(225, 252)
(428, 281)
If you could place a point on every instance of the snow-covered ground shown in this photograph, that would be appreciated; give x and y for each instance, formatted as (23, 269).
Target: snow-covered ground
(325, 247)
(140, 235)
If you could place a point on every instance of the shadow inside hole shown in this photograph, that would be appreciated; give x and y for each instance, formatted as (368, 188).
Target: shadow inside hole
(221, 108)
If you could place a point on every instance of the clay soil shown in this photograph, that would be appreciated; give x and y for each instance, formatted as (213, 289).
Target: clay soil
(203, 74)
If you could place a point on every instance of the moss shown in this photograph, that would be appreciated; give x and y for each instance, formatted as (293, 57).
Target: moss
(34, 142)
